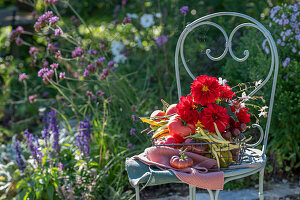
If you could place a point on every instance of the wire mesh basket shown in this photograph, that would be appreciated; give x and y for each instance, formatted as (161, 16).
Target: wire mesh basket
(227, 154)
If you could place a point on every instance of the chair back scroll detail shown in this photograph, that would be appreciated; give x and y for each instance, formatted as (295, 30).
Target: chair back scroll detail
(228, 47)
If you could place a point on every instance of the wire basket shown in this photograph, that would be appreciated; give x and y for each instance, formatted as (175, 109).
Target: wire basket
(228, 154)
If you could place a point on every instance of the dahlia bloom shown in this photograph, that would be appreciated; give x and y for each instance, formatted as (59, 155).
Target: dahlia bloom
(187, 109)
(205, 90)
(214, 113)
(226, 93)
(243, 116)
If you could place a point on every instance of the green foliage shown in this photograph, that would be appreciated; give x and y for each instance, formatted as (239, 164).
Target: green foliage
(146, 76)
(283, 137)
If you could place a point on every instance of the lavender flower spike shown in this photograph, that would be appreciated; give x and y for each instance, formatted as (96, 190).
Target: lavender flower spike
(19, 159)
(84, 136)
(35, 152)
(53, 126)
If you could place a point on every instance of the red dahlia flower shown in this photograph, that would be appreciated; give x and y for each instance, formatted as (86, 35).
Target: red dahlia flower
(205, 90)
(243, 116)
(187, 109)
(214, 113)
(226, 93)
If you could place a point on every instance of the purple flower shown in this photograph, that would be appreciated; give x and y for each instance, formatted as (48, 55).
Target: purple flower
(54, 65)
(100, 93)
(124, 2)
(286, 62)
(52, 47)
(126, 20)
(100, 61)
(16, 32)
(77, 52)
(58, 54)
(33, 51)
(74, 20)
(57, 32)
(32, 98)
(22, 77)
(48, 75)
(130, 146)
(42, 72)
(89, 93)
(45, 63)
(19, 159)
(91, 67)
(104, 74)
(53, 20)
(19, 41)
(134, 118)
(278, 41)
(86, 73)
(132, 131)
(113, 69)
(110, 63)
(35, 151)
(53, 126)
(161, 40)
(93, 52)
(116, 21)
(84, 136)
(43, 20)
(184, 10)
(62, 75)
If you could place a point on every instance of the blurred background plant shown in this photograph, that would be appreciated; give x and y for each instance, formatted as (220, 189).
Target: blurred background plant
(98, 66)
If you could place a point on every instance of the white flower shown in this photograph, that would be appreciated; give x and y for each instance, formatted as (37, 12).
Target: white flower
(257, 83)
(245, 97)
(158, 15)
(147, 20)
(116, 47)
(120, 58)
(222, 81)
(242, 105)
(132, 15)
(265, 114)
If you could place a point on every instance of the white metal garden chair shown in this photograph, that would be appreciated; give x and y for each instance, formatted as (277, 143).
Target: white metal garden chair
(257, 158)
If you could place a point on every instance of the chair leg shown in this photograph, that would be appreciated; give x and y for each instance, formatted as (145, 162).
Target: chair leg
(137, 192)
(261, 184)
(213, 195)
(192, 191)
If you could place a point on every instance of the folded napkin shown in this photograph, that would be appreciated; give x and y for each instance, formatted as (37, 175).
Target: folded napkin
(203, 174)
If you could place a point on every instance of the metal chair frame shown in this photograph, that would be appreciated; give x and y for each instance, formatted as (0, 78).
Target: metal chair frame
(233, 173)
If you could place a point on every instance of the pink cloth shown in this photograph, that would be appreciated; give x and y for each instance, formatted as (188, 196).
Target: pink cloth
(203, 174)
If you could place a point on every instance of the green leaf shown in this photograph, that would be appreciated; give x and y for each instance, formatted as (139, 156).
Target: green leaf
(50, 192)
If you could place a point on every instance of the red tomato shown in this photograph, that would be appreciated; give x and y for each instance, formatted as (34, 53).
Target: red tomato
(178, 129)
(169, 139)
(181, 162)
(171, 109)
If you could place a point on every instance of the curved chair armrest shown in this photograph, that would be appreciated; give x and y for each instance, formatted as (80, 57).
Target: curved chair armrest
(260, 138)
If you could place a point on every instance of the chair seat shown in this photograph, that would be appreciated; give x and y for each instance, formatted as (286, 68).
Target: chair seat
(140, 173)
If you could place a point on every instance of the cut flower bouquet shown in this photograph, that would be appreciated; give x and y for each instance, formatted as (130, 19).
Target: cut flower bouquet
(208, 121)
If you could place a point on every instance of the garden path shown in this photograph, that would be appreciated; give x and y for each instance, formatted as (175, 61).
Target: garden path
(284, 191)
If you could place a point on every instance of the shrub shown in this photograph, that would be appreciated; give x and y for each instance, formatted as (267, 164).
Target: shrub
(284, 27)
